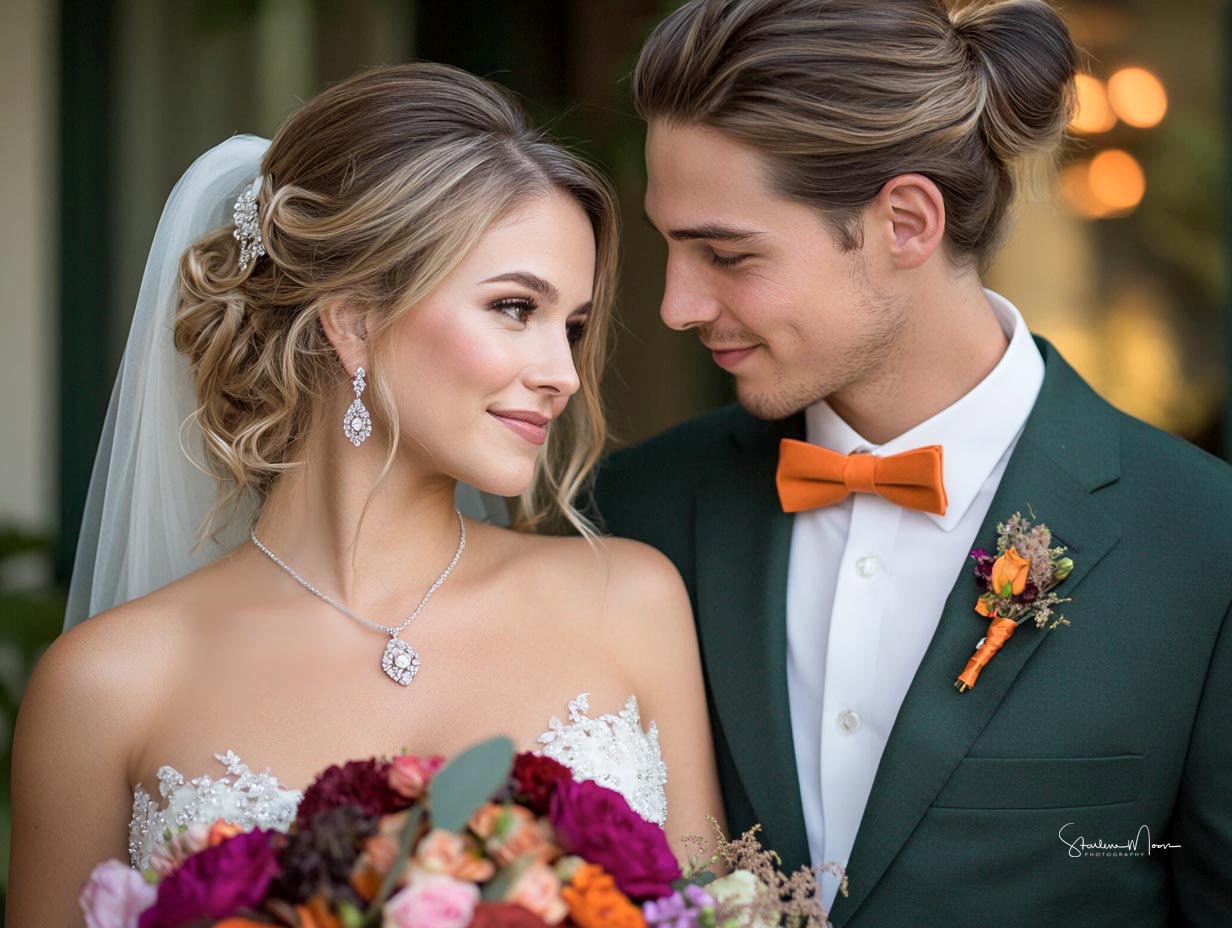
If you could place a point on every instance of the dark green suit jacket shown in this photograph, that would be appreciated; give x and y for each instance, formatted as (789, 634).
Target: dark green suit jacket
(986, 804)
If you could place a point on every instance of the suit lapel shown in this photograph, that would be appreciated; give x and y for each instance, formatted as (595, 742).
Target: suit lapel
(1067, 450)
(743, 544)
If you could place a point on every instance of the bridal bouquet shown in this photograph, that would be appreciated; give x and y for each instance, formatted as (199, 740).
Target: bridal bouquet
(489, 840)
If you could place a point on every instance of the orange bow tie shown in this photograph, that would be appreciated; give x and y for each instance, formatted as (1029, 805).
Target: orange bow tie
(810, 477)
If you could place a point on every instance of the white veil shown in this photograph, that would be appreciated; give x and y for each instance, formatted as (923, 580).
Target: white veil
(147, 497)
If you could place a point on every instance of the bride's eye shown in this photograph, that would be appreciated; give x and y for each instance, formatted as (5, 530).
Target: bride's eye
(516, 308)
(576, 331)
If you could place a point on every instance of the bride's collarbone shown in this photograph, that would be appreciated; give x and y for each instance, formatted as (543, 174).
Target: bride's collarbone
(295, 744)
(290, 684)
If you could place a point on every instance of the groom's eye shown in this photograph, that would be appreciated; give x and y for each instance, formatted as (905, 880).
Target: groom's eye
(719, 260)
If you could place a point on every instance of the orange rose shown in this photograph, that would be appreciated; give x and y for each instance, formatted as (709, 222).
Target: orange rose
(220, 831)
(316, 914)
(1010, 569)
(986, 605)
(450, 854)
(378, 856)
(381, 850)
(366, 881)
(513, 834)
(595, 902)
(538, 890)
(483, 822)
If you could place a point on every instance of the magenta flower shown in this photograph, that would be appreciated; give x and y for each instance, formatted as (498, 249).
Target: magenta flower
(216, 882)
(983, 564)
(597, 824)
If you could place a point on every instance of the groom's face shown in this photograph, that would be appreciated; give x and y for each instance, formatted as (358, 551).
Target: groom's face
(762, 279)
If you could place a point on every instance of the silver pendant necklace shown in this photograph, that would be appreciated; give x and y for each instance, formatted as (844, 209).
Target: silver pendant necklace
(400, 661)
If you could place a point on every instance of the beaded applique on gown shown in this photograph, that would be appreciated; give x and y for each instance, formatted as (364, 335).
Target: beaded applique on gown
(612, 750)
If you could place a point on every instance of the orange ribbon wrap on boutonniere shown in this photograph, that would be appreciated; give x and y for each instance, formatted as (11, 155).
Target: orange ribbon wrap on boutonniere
(999, 632)
(1017, 585)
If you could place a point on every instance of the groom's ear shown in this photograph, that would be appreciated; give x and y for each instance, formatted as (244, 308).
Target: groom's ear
(343, 322)
(911, 212)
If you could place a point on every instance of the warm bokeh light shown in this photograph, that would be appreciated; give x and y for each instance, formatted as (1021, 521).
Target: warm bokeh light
(1116, 180)
(1077, 193)
(1094, 114)
(1138, 97)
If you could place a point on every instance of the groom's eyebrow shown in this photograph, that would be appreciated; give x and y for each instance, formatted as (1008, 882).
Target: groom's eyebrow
(530, 281)
(709, 230)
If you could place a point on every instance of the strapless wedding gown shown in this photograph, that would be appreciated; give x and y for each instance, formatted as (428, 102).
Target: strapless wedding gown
(612, 750)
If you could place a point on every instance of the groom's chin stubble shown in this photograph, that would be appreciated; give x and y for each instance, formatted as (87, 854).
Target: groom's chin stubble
(772, 405)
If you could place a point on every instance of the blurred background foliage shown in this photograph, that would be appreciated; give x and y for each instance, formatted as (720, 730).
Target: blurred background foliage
(1120, 258)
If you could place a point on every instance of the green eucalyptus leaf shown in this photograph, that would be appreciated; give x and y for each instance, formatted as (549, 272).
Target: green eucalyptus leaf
(351, 917)
(468, 781)
(406, 840)
(497, 889)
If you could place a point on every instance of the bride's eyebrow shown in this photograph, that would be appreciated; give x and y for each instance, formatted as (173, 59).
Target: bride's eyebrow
(530, 281)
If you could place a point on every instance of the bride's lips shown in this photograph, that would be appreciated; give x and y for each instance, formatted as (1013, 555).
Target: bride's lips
(729, 358)
(529, 425)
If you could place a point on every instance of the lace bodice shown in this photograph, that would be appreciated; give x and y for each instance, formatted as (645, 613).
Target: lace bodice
(612, 750)
(251, 800)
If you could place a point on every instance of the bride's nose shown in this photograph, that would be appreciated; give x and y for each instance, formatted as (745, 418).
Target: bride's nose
(552, 370)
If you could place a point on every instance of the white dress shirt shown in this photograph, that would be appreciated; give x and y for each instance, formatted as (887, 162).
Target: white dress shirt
(867, 581)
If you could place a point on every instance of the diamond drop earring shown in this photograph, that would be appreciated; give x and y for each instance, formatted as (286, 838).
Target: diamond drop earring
(357, 423)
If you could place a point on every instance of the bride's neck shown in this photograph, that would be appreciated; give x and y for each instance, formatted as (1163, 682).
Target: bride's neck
(409, 532)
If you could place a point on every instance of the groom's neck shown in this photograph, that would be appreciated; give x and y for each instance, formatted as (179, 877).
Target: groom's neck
(951, 341)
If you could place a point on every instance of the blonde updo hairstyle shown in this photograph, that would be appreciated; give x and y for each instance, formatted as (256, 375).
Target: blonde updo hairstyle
(372, 193)
(843, 95)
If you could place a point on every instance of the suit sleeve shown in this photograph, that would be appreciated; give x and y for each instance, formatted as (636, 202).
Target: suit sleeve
(1202, 824)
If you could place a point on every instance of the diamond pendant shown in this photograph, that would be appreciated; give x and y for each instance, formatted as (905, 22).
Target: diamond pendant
(400, 661)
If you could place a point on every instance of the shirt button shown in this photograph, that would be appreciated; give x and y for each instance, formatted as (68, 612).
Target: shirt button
(848, 721)
(867, 566)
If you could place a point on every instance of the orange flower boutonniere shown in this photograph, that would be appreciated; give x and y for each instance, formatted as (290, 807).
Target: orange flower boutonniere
(1018, 584)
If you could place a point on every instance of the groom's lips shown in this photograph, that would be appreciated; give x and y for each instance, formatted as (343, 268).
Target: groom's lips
(728, 358)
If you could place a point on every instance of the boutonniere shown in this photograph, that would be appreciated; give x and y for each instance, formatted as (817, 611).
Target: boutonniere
(1017, 584)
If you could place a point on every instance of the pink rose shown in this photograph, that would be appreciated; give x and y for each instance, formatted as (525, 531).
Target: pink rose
(538, 889)
(115, 895)
(432, 902)
(409, 775)
(167, 857)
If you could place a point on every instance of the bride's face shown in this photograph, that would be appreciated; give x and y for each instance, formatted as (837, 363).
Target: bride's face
(484, 364)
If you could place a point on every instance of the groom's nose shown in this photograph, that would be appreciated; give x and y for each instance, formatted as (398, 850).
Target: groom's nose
(687, 302)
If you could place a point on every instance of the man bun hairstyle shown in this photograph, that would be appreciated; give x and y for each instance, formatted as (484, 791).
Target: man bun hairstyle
(842, 95)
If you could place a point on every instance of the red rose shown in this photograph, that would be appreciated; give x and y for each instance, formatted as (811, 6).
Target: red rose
(535, 779)
(505, 915)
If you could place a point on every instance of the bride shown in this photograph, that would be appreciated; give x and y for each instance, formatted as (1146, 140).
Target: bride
(407, 290)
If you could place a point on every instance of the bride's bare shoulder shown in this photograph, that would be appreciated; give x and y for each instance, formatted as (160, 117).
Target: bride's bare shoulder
(615, 579)
(119, 656)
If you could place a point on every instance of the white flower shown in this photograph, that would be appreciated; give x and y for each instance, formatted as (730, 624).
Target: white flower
(741, 889)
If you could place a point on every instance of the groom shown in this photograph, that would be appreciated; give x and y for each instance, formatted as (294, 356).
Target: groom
(829, 176)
